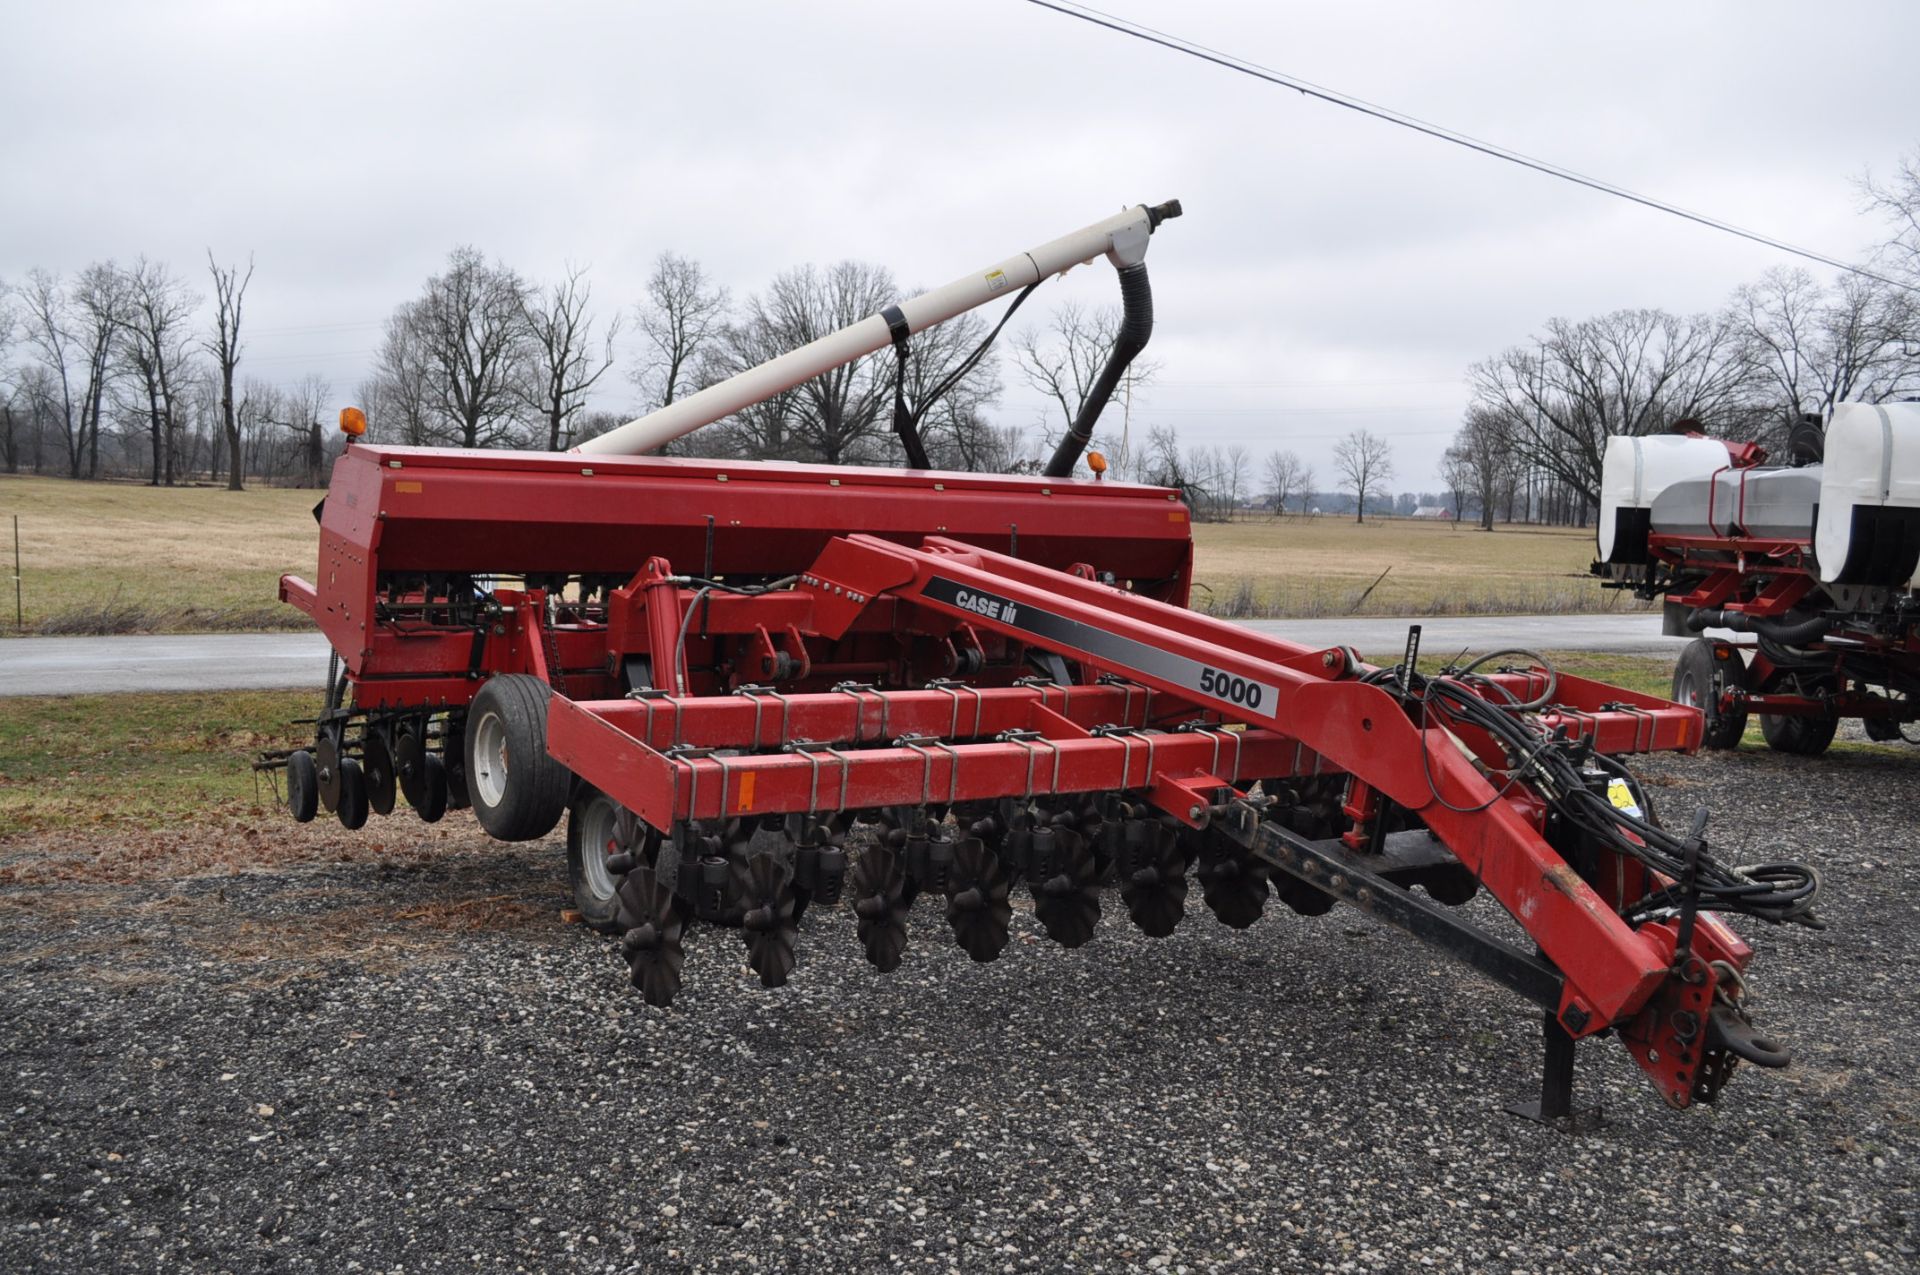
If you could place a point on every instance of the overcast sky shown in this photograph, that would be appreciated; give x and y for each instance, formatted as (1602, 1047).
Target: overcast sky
(1331, 272)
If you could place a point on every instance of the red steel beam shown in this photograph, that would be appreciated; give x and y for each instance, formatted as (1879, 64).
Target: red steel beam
(764, 719)
(664, 790)
(1611, 970)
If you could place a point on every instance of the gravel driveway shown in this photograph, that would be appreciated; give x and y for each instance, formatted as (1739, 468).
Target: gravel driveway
(404, 1062)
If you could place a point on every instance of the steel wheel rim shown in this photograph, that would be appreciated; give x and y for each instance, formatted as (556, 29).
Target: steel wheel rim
(597, 842)
(489, 776)
(1690, 691)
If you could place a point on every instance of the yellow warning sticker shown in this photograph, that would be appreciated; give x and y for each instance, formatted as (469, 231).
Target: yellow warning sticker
(1622, 797)
(996, 280)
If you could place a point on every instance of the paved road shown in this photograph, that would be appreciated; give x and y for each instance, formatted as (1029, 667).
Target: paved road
(256, 661)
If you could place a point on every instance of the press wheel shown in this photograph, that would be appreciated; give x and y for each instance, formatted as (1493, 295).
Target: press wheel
(376, 763)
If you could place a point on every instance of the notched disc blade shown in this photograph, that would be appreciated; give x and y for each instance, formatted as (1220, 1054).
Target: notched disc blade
(1235, 889)
(1156, 894)
(763, 884)
(652, 928)
(878, 889)
(977, 907)
(1067, 904)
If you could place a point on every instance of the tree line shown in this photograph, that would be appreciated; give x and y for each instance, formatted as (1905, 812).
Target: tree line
(1782, 350)
(123, 370)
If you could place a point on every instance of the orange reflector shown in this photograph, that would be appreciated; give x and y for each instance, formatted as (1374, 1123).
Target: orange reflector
(353, 422)
(1096, 462)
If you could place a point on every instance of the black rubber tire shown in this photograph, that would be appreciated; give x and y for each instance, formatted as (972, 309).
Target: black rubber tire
(303, 786)
(598, 908)
(1697, 680)
(520, 794)
(1800, 736)
(352, 807)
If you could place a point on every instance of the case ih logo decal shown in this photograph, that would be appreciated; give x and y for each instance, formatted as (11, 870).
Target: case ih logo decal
(1056, 632)
(981, 604)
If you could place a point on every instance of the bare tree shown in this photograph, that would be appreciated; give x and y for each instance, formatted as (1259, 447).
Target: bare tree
(1629, 372)
(229, 294)
(1287, 477)
(73, 333)
(1164, 465)
(154, 341)
(1457, 474)
(1482, 458)
(1234, 477)
(1364, 461)
(681, 321)
(262, 415)
(305, 403)
(951, 378)
(12, 393)
(101, 307)
(468, 331)
(399, 397)
(564, 360)
(1063, 359)
(1812, 347)
(837, 416)
(1898, 200)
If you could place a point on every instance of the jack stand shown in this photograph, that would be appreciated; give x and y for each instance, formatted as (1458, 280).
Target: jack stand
(1555, 1104)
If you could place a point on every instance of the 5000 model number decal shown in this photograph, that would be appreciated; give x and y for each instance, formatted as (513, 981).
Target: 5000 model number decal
(1057, 632)
(1234, 690)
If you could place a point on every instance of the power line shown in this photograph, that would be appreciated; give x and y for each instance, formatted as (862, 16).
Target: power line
(1139, 31)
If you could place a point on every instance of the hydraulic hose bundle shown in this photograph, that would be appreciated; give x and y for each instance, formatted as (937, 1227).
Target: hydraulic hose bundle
(1553, 767)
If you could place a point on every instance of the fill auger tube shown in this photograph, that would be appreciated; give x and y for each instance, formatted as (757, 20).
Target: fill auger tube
(1121, 238)
(756, 691)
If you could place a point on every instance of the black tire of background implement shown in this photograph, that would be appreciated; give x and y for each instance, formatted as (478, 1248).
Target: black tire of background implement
(1798, 736)
(1723, 730)
(537, 785)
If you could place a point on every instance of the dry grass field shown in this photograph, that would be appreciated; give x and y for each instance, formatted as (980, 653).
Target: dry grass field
(124, 558)
(1315, 566)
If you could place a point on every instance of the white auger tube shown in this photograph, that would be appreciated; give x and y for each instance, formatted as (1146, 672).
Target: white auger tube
(1121, 238)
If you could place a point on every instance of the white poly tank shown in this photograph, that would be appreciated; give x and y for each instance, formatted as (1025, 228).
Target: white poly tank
(1634, 471)
(1869, 527)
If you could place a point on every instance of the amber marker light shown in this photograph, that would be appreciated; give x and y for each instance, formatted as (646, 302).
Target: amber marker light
(353, 422)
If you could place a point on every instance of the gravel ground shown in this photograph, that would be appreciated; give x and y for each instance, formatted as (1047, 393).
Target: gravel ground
(406, 1063)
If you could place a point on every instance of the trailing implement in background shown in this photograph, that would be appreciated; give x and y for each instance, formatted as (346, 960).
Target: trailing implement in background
(1809, 566)
(752, 689)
